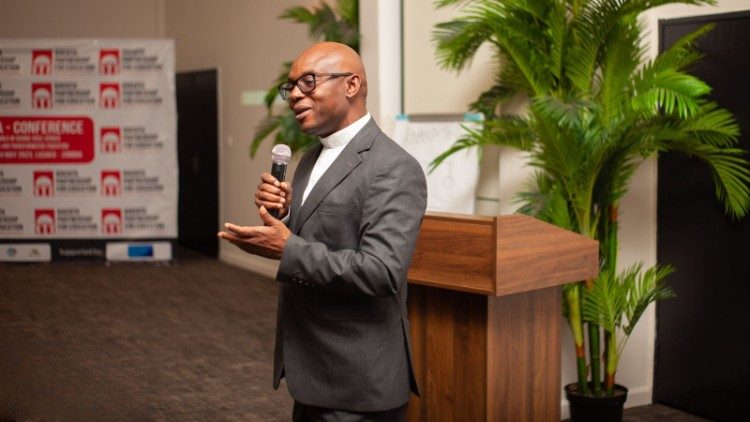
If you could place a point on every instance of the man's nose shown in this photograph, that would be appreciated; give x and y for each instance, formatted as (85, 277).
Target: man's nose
(295, 94)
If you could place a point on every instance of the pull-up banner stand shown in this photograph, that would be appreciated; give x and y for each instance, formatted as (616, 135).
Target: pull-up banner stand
(88, 151)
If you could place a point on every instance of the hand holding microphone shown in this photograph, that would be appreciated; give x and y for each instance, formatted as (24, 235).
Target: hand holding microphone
(273, 192)
(275, 195)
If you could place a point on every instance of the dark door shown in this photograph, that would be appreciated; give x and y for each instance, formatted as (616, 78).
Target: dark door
(703, 345)
(198, 157)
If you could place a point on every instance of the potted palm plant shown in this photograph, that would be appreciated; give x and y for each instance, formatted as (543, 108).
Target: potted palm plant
(325, 23)
(597, 109)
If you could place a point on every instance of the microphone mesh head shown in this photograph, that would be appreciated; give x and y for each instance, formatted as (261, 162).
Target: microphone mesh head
(281, 154)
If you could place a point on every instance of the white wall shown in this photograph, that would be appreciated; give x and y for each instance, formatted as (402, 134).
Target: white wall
(82, 18)
(428, 89)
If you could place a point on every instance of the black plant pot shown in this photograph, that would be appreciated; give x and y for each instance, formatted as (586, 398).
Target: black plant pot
(595, 409)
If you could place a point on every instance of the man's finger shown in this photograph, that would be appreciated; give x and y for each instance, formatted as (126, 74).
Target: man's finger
(227, 236)
(268, 219)
(240, 230)
(268, 178)
(286, 188)
(268, 205)
(267, 187)
(269, 197)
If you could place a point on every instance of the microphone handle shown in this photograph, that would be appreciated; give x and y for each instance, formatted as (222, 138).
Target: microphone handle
(278, 170)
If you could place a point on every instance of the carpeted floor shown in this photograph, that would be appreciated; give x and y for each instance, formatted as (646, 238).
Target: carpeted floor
(192, 341)
(189, 341)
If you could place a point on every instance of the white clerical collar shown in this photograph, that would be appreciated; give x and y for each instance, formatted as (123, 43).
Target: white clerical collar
(342, 137)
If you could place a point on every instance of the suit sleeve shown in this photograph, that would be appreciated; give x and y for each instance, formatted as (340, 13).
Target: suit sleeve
(390, 220)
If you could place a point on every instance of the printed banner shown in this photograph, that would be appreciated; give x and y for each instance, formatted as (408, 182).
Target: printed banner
(88, 145)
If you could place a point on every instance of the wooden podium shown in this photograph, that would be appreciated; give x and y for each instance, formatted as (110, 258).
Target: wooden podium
(485, 313)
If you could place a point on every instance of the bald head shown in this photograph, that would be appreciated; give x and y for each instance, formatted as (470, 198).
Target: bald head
(332, 57)
(339, 96)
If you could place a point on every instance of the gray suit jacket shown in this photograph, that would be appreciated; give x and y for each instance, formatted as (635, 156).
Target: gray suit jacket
(342, 335)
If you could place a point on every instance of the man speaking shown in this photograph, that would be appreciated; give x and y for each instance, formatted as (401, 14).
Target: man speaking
(345, 242)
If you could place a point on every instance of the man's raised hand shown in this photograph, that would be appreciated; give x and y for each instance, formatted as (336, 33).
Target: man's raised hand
(267, 240)
(273, 194)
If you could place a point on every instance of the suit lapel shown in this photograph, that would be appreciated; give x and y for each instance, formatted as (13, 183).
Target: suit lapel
(301, 178)
(347, 161)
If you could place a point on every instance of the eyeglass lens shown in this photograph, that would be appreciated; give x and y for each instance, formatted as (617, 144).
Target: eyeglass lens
(305, 83)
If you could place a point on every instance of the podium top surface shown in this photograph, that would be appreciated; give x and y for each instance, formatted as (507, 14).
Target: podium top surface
(499, 255)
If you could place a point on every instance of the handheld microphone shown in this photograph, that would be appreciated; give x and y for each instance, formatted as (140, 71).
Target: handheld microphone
(280, 155)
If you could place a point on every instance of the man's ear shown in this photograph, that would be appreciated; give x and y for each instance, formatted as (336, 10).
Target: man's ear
(353, 84)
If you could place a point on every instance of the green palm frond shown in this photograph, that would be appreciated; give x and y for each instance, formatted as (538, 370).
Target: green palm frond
(286, 130)
(461, 144)
(458, 41)
(581, 61)
(326, 24)
(614, 176)
(348, 26)
(288, 133)
(561, 148)
(682, 53)
(512, 76)
(508, 24)
(730, 170)
(546, 201)
(507, 130)
(300, 14)
(643, 289)
(667, 90)
(619, 60)
(604, 304)
(489, 100)
(349, 11)
(443, 3)
(534, 201)
(557, 33)
(712, 126)
(273, 92)
(616, 303)
(576, 114)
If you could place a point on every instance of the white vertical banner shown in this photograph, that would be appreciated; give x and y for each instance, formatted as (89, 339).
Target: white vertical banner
(87, 139)
(451, 187)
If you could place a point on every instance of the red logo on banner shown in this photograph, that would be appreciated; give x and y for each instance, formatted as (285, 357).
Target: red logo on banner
(41, 62)
(109, 95)
(44, 183)
(41, 95)
(111, 182)
(44, 220)
(110, 139)
(109, 61)
(111, 220)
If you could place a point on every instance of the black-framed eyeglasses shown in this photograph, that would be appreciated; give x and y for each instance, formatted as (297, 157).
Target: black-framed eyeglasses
(306, 83)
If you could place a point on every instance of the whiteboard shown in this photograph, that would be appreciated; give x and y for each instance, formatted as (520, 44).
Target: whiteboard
(451, 187)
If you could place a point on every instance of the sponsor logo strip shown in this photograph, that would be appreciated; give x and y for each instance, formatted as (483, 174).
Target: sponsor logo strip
(139, 251)
(25, 252)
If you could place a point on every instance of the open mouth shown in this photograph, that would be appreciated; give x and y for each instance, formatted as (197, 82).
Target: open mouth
(301, 112)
